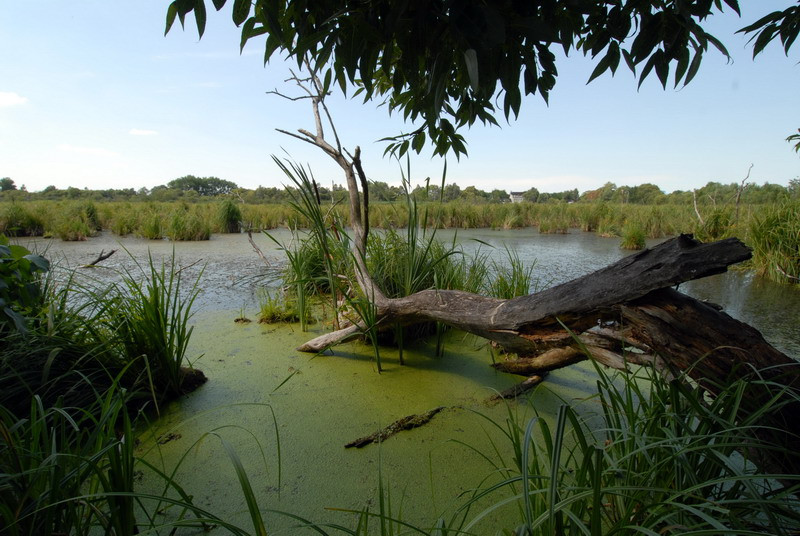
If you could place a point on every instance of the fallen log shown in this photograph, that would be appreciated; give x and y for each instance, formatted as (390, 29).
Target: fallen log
(529, 325)
(406, 423)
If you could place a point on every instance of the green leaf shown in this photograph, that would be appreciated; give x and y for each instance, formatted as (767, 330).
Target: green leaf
(40, 262)
(662, 68)
(172, 12)
(471, 59)
(683, 64)
(419, 142)
(249, 24)
(241, 9)
(218, 4)
(200, 16)
(694, 67)
(18, 252)
(19, 320)
(602, 66)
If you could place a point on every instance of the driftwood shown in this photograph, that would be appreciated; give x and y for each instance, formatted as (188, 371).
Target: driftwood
(406, 423)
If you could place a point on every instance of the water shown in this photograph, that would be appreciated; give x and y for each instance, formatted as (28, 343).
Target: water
(261, 390)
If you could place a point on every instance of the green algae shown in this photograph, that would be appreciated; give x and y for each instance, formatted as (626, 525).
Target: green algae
(320, 403)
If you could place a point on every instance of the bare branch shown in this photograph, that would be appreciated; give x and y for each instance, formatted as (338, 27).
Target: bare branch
(258, 250)
(694, 201)
(739, 191)
(287, 97)
(100, 258)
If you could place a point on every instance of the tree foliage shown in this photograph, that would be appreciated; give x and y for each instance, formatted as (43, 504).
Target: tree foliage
(205, 186)
(6, 184)
(445, 64)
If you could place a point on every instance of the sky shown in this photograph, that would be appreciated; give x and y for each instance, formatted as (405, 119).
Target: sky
(94, 95)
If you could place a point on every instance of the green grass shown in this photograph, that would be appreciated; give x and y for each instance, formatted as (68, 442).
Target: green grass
(150, 317)
(79, 220)
(774, 234)
(185, 224)
(633, 237)
(511, 278)
(274, 307)
(229, 216)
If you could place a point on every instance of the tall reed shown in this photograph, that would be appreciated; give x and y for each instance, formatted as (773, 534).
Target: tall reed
(774, 234)
(151, 316)
(229, 216)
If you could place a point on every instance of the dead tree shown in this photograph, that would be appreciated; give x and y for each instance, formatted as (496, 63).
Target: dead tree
(625, 313)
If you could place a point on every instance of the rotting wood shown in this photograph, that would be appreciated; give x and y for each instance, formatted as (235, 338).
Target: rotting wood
(406, 423)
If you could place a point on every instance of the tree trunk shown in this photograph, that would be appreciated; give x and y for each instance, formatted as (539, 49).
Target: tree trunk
(530, 325)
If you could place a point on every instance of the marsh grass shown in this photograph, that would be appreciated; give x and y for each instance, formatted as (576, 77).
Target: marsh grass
(229, 216)
(301, 273)
(775, 237)
(275, 307)
(660, 458)
(150, 317)
(326, 231)
(18, 219)
(185, 224)
(511, 278)
(151, 225)
(181, 220)
(78, 471)
(633, 237)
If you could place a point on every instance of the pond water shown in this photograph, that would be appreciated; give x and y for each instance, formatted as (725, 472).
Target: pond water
(263, 397)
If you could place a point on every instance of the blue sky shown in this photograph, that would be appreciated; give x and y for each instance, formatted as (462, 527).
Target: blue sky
(92, 94)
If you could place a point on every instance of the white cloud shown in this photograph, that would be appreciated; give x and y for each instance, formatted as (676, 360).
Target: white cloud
(9, 98)
(142, 132)
(92, 151)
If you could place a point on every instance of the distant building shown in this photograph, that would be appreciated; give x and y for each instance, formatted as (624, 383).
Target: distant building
(516, 197)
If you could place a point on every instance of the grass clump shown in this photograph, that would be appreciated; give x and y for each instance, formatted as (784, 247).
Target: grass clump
(633, 237)
(775, 236)
(187, 225)
(76, 222)
(229, 216)
(511, 278)
(17, 219)
(661, 457)
(150, 318)
(274, 307)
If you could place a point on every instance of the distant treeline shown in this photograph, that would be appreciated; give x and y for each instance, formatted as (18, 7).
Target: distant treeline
(191, 188)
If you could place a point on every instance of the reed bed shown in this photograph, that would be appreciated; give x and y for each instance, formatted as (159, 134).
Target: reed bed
(79, 220)
(774, 235)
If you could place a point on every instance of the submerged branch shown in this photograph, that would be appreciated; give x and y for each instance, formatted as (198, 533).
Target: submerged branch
(406, 423)
(100, 258)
